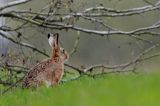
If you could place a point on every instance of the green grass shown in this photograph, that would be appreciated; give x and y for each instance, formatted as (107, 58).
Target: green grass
(108, 90)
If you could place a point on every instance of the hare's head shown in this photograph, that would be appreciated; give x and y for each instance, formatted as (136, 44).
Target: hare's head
(63, 54)
(60, 52)
(53, 39)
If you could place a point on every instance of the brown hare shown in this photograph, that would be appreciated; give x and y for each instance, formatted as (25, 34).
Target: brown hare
(50, 71)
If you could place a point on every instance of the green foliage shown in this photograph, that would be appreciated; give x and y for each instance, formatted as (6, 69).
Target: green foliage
(108, 90)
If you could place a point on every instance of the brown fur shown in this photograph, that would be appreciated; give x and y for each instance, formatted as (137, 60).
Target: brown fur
(48, 72)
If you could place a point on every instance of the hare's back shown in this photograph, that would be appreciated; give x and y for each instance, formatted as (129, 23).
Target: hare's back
(36, 71)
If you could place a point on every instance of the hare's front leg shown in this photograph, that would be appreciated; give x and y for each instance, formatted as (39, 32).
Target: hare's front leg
(56, 77)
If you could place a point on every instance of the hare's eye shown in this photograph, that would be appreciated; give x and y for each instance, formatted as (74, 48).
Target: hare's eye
(62, 50)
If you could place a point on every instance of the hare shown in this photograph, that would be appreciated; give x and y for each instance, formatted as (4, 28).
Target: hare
(50, 71)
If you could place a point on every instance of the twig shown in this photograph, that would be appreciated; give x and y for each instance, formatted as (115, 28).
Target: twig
(12, 85)
(122, 66)
(14, 3)
(75, 45)
(22, 44)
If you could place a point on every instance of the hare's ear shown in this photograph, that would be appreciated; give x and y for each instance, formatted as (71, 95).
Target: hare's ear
(57, 38)
(48, 35)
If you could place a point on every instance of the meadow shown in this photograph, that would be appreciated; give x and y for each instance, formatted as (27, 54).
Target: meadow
(107, 90)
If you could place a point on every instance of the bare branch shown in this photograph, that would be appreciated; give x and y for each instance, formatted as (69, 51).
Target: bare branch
(14, 3)
(122, 66)
(23, 44)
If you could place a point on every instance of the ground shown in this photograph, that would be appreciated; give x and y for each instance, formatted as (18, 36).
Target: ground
(107, 90)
